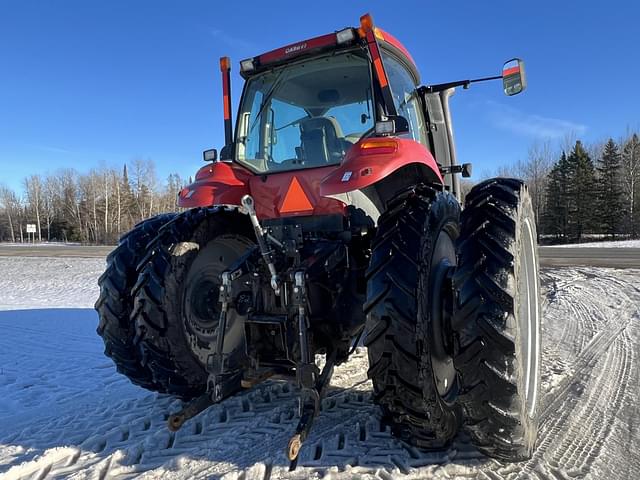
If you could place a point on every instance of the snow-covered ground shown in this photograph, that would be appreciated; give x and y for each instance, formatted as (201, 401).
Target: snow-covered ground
(607, 244)
(66, 413)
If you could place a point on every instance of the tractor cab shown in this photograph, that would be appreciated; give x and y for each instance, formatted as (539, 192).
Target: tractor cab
(309, 111)
(342, 119)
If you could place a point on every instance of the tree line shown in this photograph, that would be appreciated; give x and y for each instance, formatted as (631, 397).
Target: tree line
(578, 191)
(584, 191)
(95, 207)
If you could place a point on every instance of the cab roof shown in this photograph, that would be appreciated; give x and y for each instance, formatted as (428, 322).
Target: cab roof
(331, 41)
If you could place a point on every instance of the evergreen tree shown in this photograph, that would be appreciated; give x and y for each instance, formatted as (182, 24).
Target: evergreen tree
(556, 210)
(610, 200)
(580, 192)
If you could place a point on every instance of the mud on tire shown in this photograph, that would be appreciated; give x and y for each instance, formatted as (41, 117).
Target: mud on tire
(398, 317)
(497, 321)
(115, 303)
(176, 310)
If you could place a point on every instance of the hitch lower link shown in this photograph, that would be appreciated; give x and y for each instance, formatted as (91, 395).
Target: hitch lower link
(311, 381)
(219, 381)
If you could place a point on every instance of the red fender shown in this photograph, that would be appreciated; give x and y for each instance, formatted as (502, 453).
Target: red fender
(374, 159)
(219, 183)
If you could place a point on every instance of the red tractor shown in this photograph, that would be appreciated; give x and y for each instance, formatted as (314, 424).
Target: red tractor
(332, 217)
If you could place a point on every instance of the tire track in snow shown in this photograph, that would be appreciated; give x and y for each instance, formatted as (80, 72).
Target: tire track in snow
(589, 429)
(573, 429)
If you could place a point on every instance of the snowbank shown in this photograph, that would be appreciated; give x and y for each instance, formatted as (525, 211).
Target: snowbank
(609, 244)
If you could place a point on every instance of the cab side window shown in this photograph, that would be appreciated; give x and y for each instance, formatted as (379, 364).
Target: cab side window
(405, 97)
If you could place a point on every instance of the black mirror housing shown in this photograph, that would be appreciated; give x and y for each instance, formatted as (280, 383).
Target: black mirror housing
(514, 79)
(227, 152)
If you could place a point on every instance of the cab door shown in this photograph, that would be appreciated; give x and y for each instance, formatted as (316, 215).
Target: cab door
(439, 132)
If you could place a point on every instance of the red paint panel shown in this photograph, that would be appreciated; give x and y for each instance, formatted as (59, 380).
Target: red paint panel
(269, 193)
(224, 183)
(298, 48)
(360, 168)
(220, 183)
(390, 39)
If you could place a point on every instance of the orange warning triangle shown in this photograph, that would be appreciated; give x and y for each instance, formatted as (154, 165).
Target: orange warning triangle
(295, 200)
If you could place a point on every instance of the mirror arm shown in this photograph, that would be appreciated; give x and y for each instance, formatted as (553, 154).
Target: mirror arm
(440, 87)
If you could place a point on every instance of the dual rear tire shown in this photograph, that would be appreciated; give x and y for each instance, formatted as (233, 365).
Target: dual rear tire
(415, 235)
(471, 360)
(158, 307)
(115, 303)
(176, 308)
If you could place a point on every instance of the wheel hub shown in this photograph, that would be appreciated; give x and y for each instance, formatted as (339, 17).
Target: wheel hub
(441, 304)
(441, 309)
(201, 296)
(204, 302)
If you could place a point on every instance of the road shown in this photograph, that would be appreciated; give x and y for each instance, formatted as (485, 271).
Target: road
(55, 251)
(589, 257)
(549, 256)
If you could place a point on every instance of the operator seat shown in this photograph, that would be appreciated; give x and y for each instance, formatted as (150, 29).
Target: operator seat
(321, 141)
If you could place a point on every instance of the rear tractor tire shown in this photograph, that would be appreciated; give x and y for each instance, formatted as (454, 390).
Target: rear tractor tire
(497, 319)
(176, 308)
(410, 362)
(115, 303)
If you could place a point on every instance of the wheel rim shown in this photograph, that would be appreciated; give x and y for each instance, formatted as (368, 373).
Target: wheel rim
(200, 305)
(529, 316)
(443, 260)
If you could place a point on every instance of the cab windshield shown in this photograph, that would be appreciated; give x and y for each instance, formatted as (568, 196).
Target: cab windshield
(305, 115)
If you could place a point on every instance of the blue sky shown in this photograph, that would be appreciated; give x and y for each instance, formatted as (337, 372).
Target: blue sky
(87, 82)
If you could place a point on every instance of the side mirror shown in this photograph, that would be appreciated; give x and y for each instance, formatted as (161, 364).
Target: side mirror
(393, 124)
(210, 155)
(514, 80)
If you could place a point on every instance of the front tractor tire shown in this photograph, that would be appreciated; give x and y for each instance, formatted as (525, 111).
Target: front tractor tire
(115, 303)
(410, 365)
(497, 319)
(176, 305)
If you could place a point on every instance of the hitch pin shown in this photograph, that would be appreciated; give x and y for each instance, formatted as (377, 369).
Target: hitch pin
(249, 206)
(192, 409)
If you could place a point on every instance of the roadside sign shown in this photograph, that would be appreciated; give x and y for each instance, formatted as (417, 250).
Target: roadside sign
(31, 228)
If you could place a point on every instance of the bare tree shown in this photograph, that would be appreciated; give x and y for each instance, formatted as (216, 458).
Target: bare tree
(97, 206)
(10, 205)
(33, 188)
(535, 172)
(144, 182)
(631, 181)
